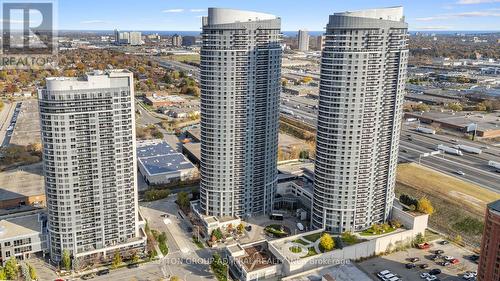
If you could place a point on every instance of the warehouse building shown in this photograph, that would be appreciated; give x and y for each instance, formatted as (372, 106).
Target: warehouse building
(487, 125)
(161, 164)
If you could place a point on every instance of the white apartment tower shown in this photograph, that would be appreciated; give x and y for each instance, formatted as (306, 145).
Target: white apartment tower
(363, 72)
(89, 160)
(303, 38)
(240, 86)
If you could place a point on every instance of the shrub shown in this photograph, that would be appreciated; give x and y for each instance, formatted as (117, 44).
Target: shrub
(326, 242)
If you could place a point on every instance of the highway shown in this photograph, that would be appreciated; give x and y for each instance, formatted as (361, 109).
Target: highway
(474, 166)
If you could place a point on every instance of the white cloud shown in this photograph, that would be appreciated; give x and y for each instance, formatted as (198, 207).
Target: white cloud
(472, 2)
(488, 13)
(92, 21)
(197, 10)
(173, 11)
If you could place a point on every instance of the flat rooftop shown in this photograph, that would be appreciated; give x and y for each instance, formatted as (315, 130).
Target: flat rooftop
(495, 206)
(485, 121)
(21, 182)
(344, 272)
(157, 157)
(17, 226)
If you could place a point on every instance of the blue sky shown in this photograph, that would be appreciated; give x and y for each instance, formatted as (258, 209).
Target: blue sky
(165, 15)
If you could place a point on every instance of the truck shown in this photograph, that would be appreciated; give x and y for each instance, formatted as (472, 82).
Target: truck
(287, 111)
(495, 165)
(469, 149)
(425, 130)
(449, 150)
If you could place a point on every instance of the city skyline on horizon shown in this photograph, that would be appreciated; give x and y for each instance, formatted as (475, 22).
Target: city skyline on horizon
(458, 15)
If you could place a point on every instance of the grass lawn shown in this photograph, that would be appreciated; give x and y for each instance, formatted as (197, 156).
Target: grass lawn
(368, 232)
(300, 241)
(470, 196)
(183, 58)
(458, 209)
(198, 243)
(311, 252)
(313, 237)
(295, 249)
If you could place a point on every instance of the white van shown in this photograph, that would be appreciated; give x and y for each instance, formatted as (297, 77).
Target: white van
(300, 226)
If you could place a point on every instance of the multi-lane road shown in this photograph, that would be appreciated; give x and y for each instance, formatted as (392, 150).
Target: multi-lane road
(470, 167)
(474, 167)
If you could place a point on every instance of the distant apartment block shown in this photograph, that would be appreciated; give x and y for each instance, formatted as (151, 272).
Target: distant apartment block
(89, 159)
(489, 262)
(240, 87)
(133, 38)
(177, 40)
(303, 40)
(363, 72)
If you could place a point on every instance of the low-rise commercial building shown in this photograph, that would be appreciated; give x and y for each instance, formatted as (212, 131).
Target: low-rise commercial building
(22, 234)
(156, 100)
(161, 164)
(486, 125)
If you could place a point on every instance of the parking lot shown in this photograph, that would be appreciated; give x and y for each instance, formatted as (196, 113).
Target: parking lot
(396, 262)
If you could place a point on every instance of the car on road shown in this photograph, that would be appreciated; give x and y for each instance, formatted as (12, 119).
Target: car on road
(87, 276)
(453, 140)
(435, 271)
(410, 265)
(424, 275)
(103, 272)
(133, 265)
(461, 173)
(404, 150)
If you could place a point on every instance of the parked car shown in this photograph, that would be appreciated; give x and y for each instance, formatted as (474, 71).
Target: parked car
(382, 274)
(435, 271)
(424, 246)
(435, 257)
(444, 242)
(438, 252)
(248, 228)
(410, 265)
(444, 263)
(133, 265)
(448, 258)
(424, 275)
(103, 272)
(455, 261)
(474, 257)
(87, 276)
(414, 259)
(431, 278)
(424, 266)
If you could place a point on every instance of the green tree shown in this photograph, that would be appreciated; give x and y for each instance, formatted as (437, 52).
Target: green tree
(219, 267)
(419, 239)
(135, 257)
(11, 268)
(66, 260)
(424, 206)
(217, 233)
(456, 106)
(326, 242)
(183, 199)
(33, 274)
(117, 260)
(3, 275)
(240, 228)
